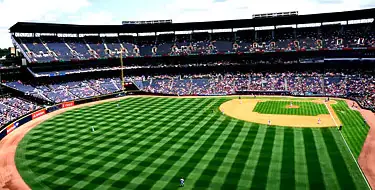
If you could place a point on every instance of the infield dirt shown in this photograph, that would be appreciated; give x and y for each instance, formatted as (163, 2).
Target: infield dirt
(243, 109)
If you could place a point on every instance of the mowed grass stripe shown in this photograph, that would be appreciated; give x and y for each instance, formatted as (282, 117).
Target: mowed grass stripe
(274, 172)
(325, 162)
(218, 181)
(193, 144)
(93, 119)
(85, 158)
(251, 164)
(71, 143)
(354, 128)
(73, 137)
(143, 152)
(168, 165)
(301, 175)
(38, 164)
(106, 112)
(217, 159)
(49, 134)
(238, 166)
(134, 143)
(264, 160)
(341, 170)
(287, 174)
(315, 174)
(283, 108)
(57, 130)
(190, 167)
(352, 167)
(88, 157)
(160, 161)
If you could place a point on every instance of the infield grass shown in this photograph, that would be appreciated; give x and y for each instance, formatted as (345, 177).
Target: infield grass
(282, 107)
(150, 143)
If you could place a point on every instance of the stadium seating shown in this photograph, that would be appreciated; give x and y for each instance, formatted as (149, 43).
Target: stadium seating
(330, 37)
(69, 90)
(328, 84)
(308, 84)
(12, 108)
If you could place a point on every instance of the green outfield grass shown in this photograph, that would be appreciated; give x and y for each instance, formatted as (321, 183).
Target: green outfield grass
(149, 143)
(282, 107)
(354, 128)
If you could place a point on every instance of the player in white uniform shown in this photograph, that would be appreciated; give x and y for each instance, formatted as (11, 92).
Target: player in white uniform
(182, 182)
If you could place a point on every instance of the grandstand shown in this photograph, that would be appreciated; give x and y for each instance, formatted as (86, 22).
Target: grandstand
(320, 55)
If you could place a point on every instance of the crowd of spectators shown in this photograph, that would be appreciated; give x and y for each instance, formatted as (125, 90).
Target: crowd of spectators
(356, 86)
(68, 91)
(12, 108)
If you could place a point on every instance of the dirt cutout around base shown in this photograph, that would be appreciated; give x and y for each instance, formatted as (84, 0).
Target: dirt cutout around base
(243, 110)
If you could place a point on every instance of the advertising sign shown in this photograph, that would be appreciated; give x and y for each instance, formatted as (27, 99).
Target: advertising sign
(38, 114)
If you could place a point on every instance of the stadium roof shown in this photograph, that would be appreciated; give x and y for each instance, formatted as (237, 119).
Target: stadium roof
(28, 27)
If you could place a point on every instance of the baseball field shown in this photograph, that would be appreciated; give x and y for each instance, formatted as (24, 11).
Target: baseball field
(151, 142)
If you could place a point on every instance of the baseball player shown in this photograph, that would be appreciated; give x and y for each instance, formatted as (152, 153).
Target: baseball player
(182, 182)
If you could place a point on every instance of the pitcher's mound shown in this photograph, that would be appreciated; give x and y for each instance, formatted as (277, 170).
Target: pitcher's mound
(243, 110)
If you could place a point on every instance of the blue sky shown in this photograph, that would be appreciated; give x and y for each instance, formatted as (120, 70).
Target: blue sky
(114, 11)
